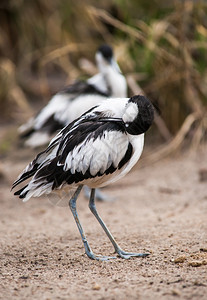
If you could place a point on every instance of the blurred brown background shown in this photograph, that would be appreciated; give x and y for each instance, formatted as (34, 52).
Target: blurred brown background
(160, 47)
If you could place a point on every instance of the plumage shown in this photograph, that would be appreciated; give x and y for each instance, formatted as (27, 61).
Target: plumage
(98, 148)
(74, 100)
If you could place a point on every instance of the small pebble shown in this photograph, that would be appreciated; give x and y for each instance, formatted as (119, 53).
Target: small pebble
(197, 263)
(180, 259)
(175, 292)
(96, 287)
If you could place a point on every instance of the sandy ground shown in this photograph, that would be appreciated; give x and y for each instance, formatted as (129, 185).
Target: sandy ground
(161, 209)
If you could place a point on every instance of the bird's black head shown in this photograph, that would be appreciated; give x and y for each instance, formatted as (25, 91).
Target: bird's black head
(106, 51)
(142, 115)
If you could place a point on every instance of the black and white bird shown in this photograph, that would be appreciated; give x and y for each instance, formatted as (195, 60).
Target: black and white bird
(96, 149)
(74, 100)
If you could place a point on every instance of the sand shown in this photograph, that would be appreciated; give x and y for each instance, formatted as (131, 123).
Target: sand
(159, 208)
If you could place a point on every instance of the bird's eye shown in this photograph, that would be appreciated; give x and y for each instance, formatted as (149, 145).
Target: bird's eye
(127, 124)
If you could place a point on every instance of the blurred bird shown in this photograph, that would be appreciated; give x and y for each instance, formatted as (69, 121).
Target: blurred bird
(71, 102)
(96, 149)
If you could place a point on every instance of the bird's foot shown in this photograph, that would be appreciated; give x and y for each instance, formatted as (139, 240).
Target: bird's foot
(127, 255)
(99, 257)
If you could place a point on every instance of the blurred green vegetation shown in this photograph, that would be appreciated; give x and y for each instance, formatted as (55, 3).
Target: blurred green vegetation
(162, 44)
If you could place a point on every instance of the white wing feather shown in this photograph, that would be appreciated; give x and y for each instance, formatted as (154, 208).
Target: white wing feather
(96, 156)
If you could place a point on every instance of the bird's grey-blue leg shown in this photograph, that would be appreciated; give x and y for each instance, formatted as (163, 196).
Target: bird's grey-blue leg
(99, 195)
(72, 205)
(117, 248)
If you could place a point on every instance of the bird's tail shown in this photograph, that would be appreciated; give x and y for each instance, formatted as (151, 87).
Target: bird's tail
(27, 173)
(38, 139)
(26, 129)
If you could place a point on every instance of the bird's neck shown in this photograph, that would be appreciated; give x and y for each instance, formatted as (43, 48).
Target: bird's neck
(116, 82)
